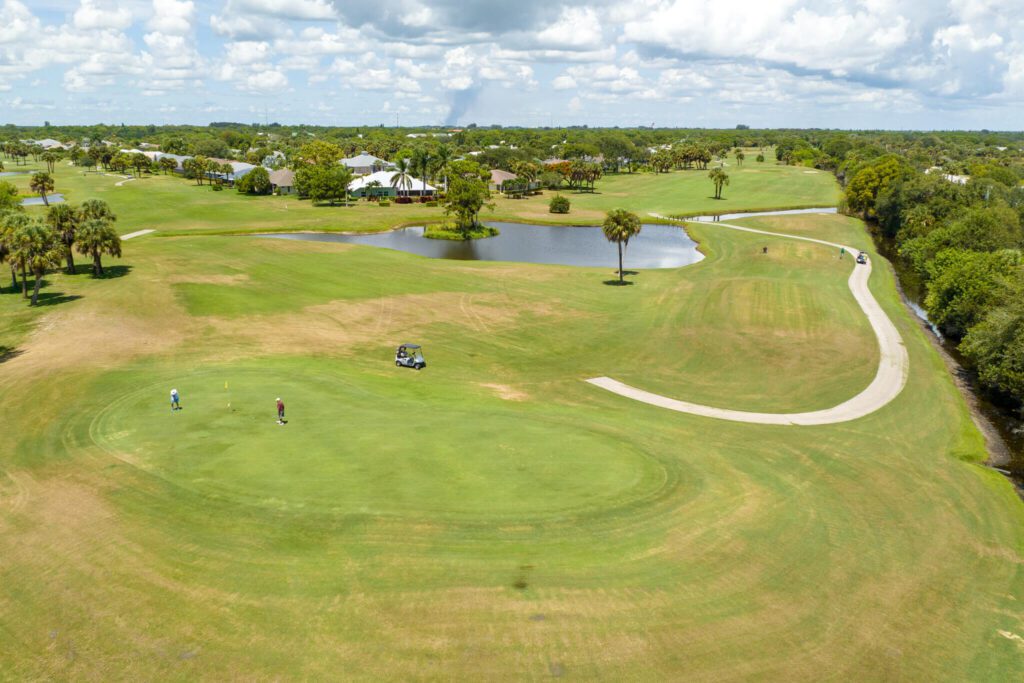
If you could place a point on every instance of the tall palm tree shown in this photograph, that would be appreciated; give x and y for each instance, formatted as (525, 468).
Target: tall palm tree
(402, 179)
(42, 184)
(619, 226)
(720, 178)
(63, 220)
(37, 250)
(422, 160)
(51, 160)
(96, 236)
(442, 157)
(9, 222)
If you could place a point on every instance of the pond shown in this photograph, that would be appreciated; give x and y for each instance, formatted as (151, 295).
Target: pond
(57, 198)
(657, 246)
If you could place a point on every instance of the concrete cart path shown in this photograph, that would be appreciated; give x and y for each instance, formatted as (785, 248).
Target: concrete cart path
(137, 233)
(889, 381)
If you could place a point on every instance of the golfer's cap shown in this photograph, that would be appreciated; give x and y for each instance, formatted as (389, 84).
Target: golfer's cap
(278, 398)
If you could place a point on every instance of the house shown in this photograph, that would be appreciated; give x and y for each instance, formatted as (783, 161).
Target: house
(379, 185)
(50, 143)
(238, 170)
(498, 177)
(282, 181)
(365, 163)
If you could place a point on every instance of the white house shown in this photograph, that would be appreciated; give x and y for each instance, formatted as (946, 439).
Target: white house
(383, 179)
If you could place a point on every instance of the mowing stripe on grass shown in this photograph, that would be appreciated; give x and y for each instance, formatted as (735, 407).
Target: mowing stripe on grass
(893, 366)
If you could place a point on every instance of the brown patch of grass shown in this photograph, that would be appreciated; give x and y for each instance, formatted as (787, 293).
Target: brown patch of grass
(507, 392)
(196, 279)
(336, 326)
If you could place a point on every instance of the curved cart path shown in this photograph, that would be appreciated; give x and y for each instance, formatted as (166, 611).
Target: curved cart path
(889, 381)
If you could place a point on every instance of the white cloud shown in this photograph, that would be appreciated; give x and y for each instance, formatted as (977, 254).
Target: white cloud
(172, 16)
(578, 27)
(93, 14)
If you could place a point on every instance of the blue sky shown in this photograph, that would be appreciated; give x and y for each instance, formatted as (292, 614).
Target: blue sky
(800, 63)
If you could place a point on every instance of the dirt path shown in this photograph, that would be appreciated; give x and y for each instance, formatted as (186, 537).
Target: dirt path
(889, 381)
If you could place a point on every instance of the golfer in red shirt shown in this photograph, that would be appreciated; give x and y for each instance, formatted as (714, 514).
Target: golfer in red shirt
(280, 411)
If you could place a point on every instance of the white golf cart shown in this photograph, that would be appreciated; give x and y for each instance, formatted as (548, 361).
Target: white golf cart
(410, 356)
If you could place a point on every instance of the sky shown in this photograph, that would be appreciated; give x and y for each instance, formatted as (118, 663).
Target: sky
(897, 64)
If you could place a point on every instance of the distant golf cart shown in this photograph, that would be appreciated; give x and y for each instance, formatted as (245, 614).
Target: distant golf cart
(410, 356)
(862, 258)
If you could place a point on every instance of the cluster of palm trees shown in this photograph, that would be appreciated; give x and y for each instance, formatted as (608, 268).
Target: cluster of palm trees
(682, 156)
(19, 151)
(42, 184)
(200, 168)
(35, 244)
(428, 164)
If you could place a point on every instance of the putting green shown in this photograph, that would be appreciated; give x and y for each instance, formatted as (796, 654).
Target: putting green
(379, 445)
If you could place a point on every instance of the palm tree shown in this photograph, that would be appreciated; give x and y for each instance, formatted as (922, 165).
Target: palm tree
(167, 164)
(422, 160)
(9, 222)
(96, 208)
(719, 177)
(42, 184)
(740, 156)
(63, 220)
(619, 226)
(96, 236)
(37, 250)
(51, 160)
(402, 179)
(443, 157)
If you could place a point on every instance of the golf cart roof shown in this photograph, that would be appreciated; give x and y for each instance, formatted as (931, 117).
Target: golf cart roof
(411, 346)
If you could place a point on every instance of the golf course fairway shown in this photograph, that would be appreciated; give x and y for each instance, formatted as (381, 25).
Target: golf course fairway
(493, 516)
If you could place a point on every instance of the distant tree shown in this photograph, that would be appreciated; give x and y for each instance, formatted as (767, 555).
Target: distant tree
(662, 161)
(51, 159)
(96, 237)
(442, 157)
(421, 162)
(256, 181)
(760, 158)
(42, 184)
(320, 153)
(740, 156)
(464, 199)
(140, 162)
(167, 165)
(619, 227)
(63, 219)
(720, 178)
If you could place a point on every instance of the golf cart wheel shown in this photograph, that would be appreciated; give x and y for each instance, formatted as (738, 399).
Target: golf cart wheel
(419, 366)
(398, 364)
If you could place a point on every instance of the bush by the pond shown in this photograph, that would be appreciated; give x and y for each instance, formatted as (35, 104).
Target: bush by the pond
(384, 203)
(448, 231)
(559, 204)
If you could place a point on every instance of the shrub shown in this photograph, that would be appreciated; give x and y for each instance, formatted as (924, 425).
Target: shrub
(432, 203)
(383, 202)
(403, 200)
(760, 158)
(559, 204)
